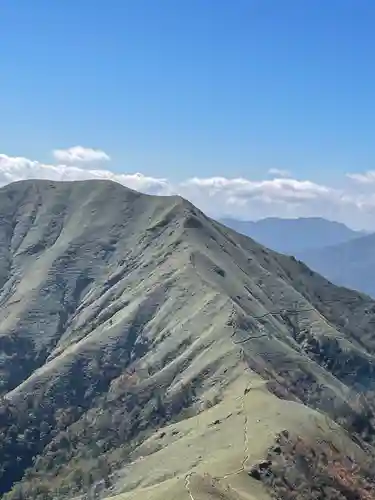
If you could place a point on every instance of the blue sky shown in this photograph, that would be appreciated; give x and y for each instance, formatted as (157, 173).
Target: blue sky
(178, 89)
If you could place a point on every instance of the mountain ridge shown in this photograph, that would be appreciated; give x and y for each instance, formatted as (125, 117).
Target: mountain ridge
(134, 331)
(348, 264)
(293, 236)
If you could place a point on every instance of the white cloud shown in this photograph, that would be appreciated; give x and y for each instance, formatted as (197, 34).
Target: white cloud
(79, 154)
(247, 199)
(222, 196)
(365, 178)
(17, 168)
(270, 191)
(276, 172)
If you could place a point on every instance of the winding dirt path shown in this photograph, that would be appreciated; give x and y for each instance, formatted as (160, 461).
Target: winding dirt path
(246, 444)
(187, 485)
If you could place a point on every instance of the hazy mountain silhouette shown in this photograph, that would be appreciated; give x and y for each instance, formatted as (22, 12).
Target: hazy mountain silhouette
(351, 264)
(294, 235)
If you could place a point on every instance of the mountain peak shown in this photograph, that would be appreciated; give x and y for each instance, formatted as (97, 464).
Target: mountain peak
(148, 350)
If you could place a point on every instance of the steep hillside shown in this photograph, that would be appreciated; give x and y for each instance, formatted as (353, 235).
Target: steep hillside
(349, 264)
(147, 352)
(294, 235)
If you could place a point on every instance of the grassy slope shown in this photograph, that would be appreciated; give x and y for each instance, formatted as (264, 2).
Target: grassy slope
(220, 445)
(249, 422)
(110, 298)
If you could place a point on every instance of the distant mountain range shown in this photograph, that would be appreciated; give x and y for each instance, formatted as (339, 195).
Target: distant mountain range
(292, 236)
(350, 264)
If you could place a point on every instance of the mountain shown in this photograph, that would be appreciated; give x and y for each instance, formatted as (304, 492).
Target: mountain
(148, 352)
(294, 235)
(349, 264)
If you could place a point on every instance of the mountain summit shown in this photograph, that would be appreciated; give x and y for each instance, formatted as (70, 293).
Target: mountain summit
(147, 352)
